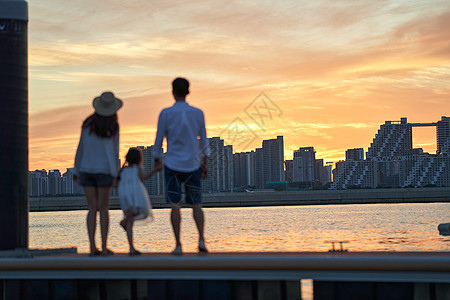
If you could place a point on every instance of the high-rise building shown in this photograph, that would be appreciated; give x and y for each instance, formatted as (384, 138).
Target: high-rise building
(38, 183)
(322, 173)
(354, 154)
(355, 173)
(273, 159)
(394, 139)
(69, 186)
(328, 169)
(154, 184)
(289, 175)
(303, 164)
(244, 169)
(443, 136)
(392, 162)
(259, 169)
(220, 167)
(228, 168)
(54, 182)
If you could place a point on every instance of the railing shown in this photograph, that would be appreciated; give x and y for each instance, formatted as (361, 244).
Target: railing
(229, 276)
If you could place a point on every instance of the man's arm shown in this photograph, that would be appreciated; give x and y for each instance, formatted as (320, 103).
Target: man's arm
(204, 167)
(205, 150)
(160, 133)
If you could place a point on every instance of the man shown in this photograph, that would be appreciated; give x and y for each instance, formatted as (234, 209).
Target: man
(186, 159)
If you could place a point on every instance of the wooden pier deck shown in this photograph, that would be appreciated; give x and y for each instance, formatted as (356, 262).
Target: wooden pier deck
(335, 275)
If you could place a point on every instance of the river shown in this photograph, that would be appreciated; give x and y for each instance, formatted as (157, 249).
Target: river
(366, 227)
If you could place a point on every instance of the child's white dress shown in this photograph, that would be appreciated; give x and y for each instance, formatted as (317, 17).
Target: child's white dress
(133, 194)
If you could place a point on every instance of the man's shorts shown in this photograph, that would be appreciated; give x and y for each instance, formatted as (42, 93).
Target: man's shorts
(192, 186)
(97, 180)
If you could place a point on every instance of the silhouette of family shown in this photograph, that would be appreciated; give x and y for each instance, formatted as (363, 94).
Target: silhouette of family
(97, 167)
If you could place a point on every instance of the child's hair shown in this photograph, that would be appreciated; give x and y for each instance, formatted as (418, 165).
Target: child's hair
(134, 156)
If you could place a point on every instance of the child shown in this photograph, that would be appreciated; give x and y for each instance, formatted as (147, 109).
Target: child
(134, 199)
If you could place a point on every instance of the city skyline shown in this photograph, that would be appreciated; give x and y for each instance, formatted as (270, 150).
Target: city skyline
(391, 161)
(345, 155)
(335, 70)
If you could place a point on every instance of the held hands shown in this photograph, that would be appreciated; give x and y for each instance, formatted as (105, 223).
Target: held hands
(158, 165)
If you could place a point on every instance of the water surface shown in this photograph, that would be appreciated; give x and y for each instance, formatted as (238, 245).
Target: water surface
(368, 227)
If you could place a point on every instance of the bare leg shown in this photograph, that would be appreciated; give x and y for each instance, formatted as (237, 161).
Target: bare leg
(103, 200)
(199, 220)
(129, 225)
(175, 219)
(91, 220)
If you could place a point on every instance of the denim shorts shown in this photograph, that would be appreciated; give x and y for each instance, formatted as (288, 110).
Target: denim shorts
(192, 186)
(97, 180)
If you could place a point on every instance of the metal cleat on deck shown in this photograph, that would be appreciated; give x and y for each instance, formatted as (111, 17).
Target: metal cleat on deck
(333, 249)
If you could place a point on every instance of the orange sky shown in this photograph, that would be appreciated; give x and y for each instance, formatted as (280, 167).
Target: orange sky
(335, 70)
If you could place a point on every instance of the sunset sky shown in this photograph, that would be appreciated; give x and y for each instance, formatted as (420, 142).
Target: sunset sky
(330, 71)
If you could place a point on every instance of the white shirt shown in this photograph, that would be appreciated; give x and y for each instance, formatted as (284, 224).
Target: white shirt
(97, 155)
(184, 128)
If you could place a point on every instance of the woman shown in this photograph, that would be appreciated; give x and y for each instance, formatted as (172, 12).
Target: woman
(97, 164)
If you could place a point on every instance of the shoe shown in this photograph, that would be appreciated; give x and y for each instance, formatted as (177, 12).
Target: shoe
(96, 252)
(135, 252)
(202, 247)
(107, 252)
(177, 251)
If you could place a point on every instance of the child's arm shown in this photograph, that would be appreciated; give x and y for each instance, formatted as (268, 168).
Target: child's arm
(144, 176)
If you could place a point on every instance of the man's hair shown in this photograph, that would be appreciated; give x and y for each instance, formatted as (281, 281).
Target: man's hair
(180, 87)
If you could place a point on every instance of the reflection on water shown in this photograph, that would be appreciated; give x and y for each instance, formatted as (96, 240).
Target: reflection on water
(375, 227)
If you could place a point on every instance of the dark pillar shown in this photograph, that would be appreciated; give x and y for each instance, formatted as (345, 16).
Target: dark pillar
(13, 125)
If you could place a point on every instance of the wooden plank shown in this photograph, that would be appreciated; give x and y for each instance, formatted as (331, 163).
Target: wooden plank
(442, 291)
(394, 291)
(355, 291)
(324, 290)
(269, 290)
(64, 289)
(88, 289)
(184, 290)
(421, 291)
(292, 290)
(140, 289)
(216, 289)
(118, 289)
(157, 289)
(35, 289)
(242, 290)
(12, 289)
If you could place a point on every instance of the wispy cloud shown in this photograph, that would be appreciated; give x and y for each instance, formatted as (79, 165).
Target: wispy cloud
(337, 69)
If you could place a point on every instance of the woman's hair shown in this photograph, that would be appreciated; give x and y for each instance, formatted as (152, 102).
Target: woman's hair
(134, 156)
(104, 127)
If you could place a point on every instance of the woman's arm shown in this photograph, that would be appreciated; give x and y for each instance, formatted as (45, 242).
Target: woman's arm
(78, 157)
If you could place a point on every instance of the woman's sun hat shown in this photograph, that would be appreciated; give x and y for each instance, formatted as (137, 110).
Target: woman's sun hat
(106, 104)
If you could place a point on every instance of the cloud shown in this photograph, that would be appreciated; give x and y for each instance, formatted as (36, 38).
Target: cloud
(336, 69)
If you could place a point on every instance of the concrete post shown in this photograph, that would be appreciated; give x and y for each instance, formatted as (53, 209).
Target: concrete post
(13, 124)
